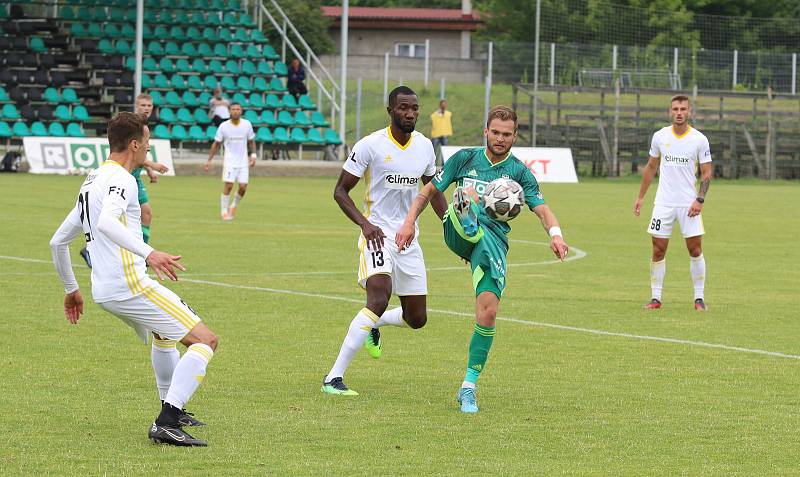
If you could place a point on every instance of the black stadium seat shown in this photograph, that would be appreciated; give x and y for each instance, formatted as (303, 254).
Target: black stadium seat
(28, 112)
(98, 62)
(13, 59)
(110, 78)
(58, 78)
(122, 97)
(35, 94)
(45, 113)
(17, 94)
(126, 78)
(47, 61)
(40, 77)
(114, 62)
(7, 77)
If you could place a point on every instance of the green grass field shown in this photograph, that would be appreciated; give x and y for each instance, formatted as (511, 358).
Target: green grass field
(578, 381)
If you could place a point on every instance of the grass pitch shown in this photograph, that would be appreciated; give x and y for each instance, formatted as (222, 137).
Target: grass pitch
(558, 396)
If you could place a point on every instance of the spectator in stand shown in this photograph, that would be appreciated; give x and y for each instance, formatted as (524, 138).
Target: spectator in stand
(441, 128)
(294, 82)
(219, 108)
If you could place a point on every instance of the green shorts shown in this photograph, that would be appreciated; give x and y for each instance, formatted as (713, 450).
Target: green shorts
(143, 199)
(485, 252)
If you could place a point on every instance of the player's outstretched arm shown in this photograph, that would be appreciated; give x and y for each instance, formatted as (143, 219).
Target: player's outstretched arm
(550, 224)
(211, 153)
(341, 194)
(59, 246)
(406, 233)
(648, 173)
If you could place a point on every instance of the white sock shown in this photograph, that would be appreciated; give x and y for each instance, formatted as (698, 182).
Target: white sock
(697, 266)
(236, 199)
(467, 384)
(657, 272)
(165, 357)
(189, 373)
(224, 201)
(393, 317)
(359, 328)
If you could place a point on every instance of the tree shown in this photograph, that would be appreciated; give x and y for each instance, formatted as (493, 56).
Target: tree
(307, 17)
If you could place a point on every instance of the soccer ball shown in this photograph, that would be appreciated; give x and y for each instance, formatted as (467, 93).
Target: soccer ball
(503, 199)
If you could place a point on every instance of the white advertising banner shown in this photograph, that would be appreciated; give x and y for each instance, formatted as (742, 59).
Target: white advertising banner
(73, 155)
(548, 164)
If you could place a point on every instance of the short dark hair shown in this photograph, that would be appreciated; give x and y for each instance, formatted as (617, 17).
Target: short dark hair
(397, 92)
(123, 128)
(679, 97)
(503, 113)
(235, 104)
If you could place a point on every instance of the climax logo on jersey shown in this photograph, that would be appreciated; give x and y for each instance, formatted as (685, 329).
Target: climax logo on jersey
(671, 160)
(398, 180)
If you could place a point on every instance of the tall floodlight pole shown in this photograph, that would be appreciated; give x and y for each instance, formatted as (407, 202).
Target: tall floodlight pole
(137, 79)
(536, 73)
(343, 78)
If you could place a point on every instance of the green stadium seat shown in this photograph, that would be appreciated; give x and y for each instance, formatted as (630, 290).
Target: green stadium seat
(276, 84)
(66, 13)
(289, 102)
(79, 113)
(177, 33)
(264, 68)
(318, 120)
(253, 117)
(3, 94)
(111, 31)
(172, 49)
(244, 84)
(199, 66)
(301, 119)
(201, 116)
(167, 115)
(189, 50)
(264, 135)
(128, 31)
(196, 133)
(147, 81)
(5, 130)
(216, 66)
(130, 15)
(78, 30)
(211, 132)
(242, 35)
(51, 95)
(199, 18)
(257, 101)
(184, 116)
(249, 68)
(147, 32)
(161, 132)
(150, 16)
(227, 83)
(84, 14)
(148, 64)
(280, 135)
(154, 48)
(268, 118)
(161, 82)
(177, 81)
(117, 15)
(241, 99)
(232, 67)
(210, 34)
(253, 52)
(268, 52)
(20, 130)
(260, 84)
(273, 102)
(194, 83)
(219, 5)
(204, 50)
(233, 5)
(9, 111)
(237, 51)
(74, 130)
(179, 133)
(62, 113)
(225, 35)
(220, 50)
(166, 17)
(158, 99)
(314, 136)
(99, 14)
(285, 118)
(94, 30)
(193, 34)
(229, 19)
(258, 36)
(165, 66)
(246, 20)
(306, 103)
(130, 63)
(56, 129)
(332, 138)
(105, 47)
(173, 99)
(122, 47)
(36, 44)
(182, 66)
(38, 129)
(204, 97)
(213, 19)
(210, 82)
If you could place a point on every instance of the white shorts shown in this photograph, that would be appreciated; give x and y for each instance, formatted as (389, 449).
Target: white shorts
(664, 216)
(406, 268)
(236, 174)
(156, 310)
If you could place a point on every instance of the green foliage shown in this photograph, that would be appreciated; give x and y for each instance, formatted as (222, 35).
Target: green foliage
(307, 17)
(398, 3)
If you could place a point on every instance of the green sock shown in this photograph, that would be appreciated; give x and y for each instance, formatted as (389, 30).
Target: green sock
(479, 345)
(146, 233)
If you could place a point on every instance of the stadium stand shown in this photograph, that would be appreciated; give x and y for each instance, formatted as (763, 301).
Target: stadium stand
(65, 75)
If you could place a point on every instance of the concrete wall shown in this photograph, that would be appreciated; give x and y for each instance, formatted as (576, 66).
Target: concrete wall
(371, 67)
(444, 44)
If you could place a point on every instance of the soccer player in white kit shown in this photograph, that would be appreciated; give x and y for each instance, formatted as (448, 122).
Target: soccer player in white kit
(238, 136)
(107, 214)
(675, 152)
(392, 162)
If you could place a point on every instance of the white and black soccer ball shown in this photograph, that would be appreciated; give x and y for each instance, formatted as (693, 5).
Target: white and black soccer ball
(503, 199)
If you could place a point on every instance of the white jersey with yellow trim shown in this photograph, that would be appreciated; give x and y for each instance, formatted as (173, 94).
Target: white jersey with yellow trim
(680, 156)
(117, 273)
(391, 174)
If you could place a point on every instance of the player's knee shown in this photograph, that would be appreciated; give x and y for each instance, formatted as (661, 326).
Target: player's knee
(211, 340)
(377, 305)
(416, 320)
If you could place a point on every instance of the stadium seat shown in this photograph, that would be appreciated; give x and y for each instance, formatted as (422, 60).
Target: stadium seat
(184, 116)
(257, 101)
(182, 66)
(241, 99)
(216, 66)
(182, 17)
(68, 95)
(318, 119)
(28, 112)
(161, 82)
(84, 14)
(193, 34)
(199, 18)
(275, 84)
(201, 116)
(38, 129)
(268, 52)
(289, 102)
(196, 133)
(165, 65)
(56, 129)
(74, 130)
(37, 44)
(173, 99)
(268, 118)
(172, 49)
(237, 51)
(253, 117)
(280, 135)
(3, 94)
(314, 136)
(273, 102)
(258, 36)
(244, 84)
(189, 99)
(127, 31)
(260, 84)
(242, 35)
(51, 95)
(122, 47)
(66, 13)
(210, 82)
(264, 68)
(154, 48)
(204, 97)
(214, 19)
(210, 34)
(117, 15)
(158, 98)
(124, 97)
(229, 19)
(161, 132)
(166, 17)
(227, 83)
(147, 81)
(177, 81)
(105, 47)
(253, 52)
(194, 83)
(211, 132)
(301, 119)
(177, 33)
(62, 113)
(147, 32)
(306, 103)
(232, 67)
(220, 50)
(189, 50)
(249, 68)
(166, 115)
(20, 130)
(225, 35)
(80, 113)
(204, 50)
(332, 138)
(199, 66)
(285, 118)
(264, 135)
(78, 30)
(111, 31)
(5, 130)
(179, 133)
(149, 64)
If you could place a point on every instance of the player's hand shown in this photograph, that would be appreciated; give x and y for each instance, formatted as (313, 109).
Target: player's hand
(163, 264)
(253, 158)
(208, 164)
(160, 168)
(559, 247)
(637, 207)
(374, 236)
(695, 209)
(152, 175)
(73, 306)
(404, 237)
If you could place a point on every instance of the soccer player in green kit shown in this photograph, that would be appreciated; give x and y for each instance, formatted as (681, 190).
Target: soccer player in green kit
(478, 239)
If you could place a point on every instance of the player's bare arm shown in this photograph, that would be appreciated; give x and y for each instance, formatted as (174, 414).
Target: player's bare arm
(406, 234)
(251, 146)
(437, 200)
(211, 153)
(153, 167)
(550, 224)
(341, 194)
(706, 172)
(648, 173)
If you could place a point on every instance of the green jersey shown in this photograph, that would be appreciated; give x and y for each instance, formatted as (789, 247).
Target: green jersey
(472, 168)
(137, 172)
